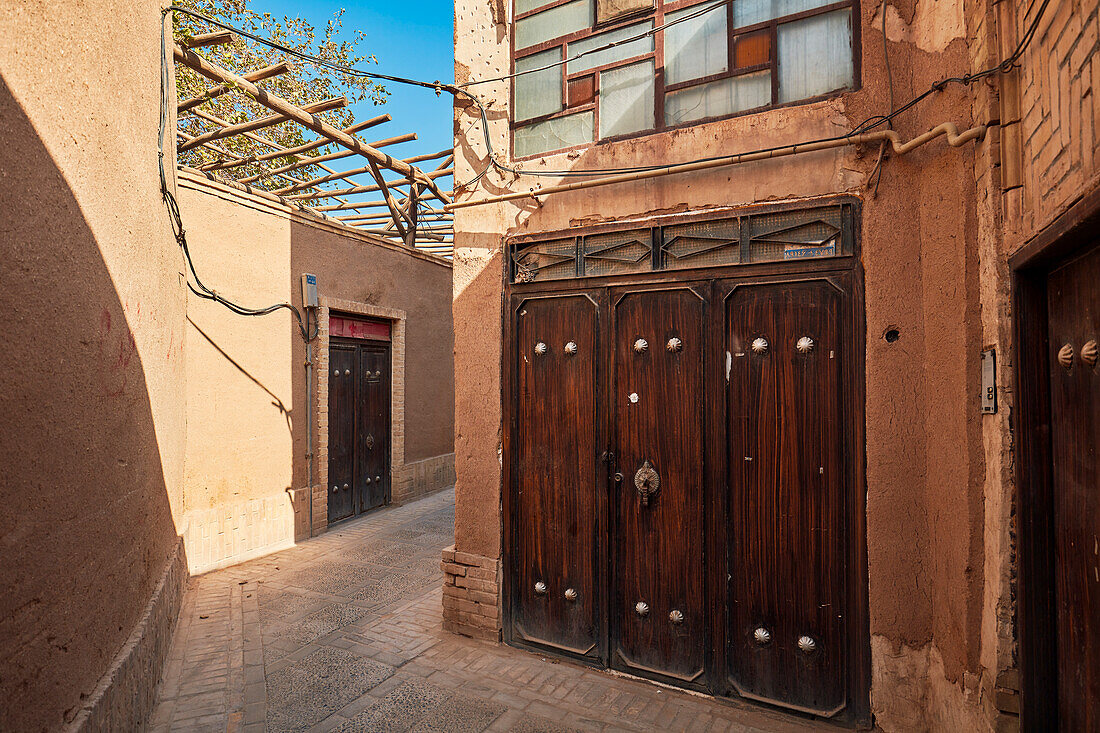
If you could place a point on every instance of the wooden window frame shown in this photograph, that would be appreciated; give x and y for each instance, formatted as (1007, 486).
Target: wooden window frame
(660, 89)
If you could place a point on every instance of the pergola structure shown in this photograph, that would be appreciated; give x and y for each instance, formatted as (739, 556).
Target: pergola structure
(410, 209)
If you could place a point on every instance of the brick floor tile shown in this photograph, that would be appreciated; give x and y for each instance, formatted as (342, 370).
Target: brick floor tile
(344, 633)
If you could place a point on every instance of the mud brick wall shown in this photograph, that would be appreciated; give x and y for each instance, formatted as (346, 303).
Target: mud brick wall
(471, 595)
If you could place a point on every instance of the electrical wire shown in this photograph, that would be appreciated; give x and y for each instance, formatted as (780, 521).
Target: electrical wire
(198, 287)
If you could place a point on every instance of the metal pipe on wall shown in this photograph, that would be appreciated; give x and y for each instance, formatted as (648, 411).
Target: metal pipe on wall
(954, 139)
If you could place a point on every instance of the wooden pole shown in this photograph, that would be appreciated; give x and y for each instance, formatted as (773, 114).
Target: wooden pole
(319, 126)
(214, 92)
(253, 125)
(217, 38)
(293, 152)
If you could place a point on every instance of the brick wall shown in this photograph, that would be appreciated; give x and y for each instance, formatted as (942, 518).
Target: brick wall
(1058, 106)
(232, 533)
(420, 478)
(124, 697)
(471, 595)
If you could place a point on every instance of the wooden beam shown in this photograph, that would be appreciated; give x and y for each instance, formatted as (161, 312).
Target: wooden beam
(343, 153)
(369, 189)
(220, 151)
(217, 38)
(353, 171)
(278, 104)
(253, 125)
(294, 152)
(214, 92)
(395, 211)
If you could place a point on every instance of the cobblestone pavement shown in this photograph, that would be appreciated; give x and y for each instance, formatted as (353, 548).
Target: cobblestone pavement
(344, 633)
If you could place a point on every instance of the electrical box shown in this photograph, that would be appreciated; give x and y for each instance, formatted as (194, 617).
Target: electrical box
(989, 382)
(309, 290)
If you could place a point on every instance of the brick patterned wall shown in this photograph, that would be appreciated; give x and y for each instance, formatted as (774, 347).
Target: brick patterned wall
(471, 595)
(232, 533)
(420, 478)
(125, 695)
(1058, 106)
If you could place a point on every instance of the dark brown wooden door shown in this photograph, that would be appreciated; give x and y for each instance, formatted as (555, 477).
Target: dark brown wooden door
(342, 383)
(373, 430)
(359, 427)
(557, 475)
(1073, 305)
(787, 500)
(657, 609)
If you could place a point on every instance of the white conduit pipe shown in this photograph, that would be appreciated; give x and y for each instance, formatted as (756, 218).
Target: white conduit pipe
(954, 139)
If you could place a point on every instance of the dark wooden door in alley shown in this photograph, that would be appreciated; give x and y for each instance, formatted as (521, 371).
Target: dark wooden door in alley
(1073, 302)
(359, 426)
(684, 456)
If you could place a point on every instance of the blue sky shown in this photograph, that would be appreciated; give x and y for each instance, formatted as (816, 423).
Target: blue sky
(411, 38)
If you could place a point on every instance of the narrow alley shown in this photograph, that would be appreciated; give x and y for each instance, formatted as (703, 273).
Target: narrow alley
(344, 633)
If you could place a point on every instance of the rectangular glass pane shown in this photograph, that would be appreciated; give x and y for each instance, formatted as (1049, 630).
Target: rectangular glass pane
(538, 93)
(697, 47)
(555, 134)
(815, 55)
(750, 12)
(625, 51)
(719, 98)
(626, 99)
(554, 23)
(526, 6)
(611, 9)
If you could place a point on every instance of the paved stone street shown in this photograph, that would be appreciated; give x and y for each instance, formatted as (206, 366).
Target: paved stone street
(344, 633)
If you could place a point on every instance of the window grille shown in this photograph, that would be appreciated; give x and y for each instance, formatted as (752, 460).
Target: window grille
(786, 235)
(711, 61)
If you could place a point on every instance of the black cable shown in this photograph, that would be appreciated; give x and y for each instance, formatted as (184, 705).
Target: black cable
(198, 287)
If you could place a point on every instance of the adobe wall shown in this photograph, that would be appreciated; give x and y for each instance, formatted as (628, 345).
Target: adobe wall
(247, 401)
(1043, 162)
(91, 373)
(926, 462)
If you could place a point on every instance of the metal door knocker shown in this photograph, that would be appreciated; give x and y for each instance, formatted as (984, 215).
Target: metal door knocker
(370, 442)
(647, 482)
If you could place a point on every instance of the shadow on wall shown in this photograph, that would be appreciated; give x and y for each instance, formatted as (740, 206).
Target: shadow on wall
(85, 524)
(275, 401)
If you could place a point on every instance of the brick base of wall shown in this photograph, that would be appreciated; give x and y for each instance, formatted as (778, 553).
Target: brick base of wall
(420, 478)
(227, 535)
(471, 595)
(124, 697)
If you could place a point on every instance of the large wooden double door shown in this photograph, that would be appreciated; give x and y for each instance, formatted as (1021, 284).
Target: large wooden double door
(684, 502)
(359, 427)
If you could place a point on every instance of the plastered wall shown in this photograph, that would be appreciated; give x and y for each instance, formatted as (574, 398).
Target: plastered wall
(91, 373)
(926, 461)
(247, 398)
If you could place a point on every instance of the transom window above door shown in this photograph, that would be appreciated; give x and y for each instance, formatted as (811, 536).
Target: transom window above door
(589, 70)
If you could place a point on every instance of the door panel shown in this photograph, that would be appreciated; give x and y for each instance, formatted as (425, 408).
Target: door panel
(657, 397)
(1073, 302)
(373, 445)
(787, 497)
(557, 475)
(341, 409)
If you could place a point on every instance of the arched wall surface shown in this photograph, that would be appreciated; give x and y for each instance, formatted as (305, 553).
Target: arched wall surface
(91, 374)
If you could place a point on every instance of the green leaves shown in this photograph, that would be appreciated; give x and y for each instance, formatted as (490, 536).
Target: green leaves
(303, 84)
